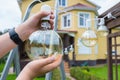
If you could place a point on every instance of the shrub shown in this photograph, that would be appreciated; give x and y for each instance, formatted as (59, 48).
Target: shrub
(83, 74)
(56, 74)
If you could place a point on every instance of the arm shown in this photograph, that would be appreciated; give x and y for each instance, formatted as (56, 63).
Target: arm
(23, 30)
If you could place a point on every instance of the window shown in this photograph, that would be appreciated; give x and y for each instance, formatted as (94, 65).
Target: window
(83, 49)
(62, 3)
(83, 19)
(66, 20)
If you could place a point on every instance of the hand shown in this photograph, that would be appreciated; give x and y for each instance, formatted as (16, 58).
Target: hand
(39, 67)
(32, 24)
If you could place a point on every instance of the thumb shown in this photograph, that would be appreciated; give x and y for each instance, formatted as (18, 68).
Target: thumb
(46, 61)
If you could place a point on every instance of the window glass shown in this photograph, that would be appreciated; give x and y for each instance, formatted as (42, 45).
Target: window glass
(83, 17)
(66, 20)
(62, 3)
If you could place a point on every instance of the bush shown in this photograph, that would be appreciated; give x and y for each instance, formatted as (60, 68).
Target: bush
(82, 73)
(56, 74)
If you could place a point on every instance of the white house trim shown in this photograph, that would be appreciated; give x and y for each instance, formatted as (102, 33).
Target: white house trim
(83, 17)
(62, 21)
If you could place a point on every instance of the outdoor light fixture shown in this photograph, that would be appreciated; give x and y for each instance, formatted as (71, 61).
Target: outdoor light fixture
(69, 49)
(66, 51)
(102, 29)
(89, 38)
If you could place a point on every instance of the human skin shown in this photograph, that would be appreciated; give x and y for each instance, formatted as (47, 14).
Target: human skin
(23, 30)
(36, 67)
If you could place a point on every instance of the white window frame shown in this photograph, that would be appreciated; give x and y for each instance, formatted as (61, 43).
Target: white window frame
(62, 2)
(62, 22)
(83, 49)
(96, 22)
(87, 23)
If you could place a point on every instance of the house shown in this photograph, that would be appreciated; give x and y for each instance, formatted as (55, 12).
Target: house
(72, 18)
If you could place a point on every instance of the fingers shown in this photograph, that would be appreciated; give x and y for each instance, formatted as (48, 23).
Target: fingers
(51, 23)
(41, 62)
(39, 67)
(54, 60)
(46, 61)
(42, 14)
(53, 65)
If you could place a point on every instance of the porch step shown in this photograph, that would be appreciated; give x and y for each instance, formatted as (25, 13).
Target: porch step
(66, 67)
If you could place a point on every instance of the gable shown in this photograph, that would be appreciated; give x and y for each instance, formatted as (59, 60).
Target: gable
(85, 2)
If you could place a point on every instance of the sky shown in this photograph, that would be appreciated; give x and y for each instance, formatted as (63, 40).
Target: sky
(10, 15)
(105, 4)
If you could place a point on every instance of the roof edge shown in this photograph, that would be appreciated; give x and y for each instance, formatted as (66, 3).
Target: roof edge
(78, 8)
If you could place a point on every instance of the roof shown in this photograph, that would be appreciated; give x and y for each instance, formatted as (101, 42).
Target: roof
(79, 6)
(115, 12)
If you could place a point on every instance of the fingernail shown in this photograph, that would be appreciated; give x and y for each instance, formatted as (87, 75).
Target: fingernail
(52, 58)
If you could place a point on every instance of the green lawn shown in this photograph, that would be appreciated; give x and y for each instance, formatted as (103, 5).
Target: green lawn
(1, 67)
(13, 77)
(93, 72)
(99, 71)
(102, 71)
(55, 76)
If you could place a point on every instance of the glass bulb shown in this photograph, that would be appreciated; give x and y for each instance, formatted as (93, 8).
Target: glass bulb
(102, 30)
(42, 44)
(89, 38)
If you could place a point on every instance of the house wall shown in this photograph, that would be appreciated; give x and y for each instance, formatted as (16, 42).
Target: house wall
(74, 27)
(101, 44)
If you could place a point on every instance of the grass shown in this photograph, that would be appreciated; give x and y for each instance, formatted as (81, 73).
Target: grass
(1, 67)
(102, 71)
(56, 75)
(99, 71)
(13, 77)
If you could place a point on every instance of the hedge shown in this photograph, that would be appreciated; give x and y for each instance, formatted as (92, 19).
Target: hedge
(83, 74)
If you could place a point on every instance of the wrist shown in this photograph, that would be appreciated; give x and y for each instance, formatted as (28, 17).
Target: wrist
(25, 74)
(23, 31)
(15, 37)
